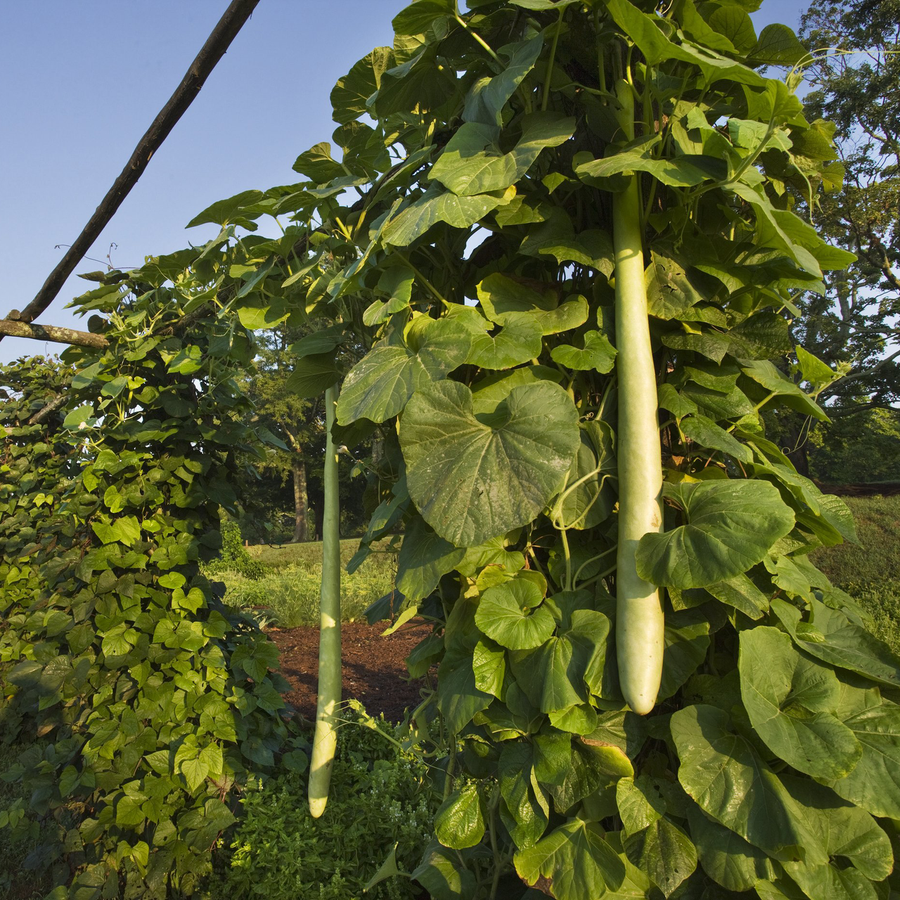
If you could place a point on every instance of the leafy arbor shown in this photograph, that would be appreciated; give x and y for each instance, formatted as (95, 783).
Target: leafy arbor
(497, 369)
(574, 139)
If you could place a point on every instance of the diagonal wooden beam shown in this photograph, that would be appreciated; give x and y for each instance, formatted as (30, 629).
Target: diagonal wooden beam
(212, 51)
(52, 333)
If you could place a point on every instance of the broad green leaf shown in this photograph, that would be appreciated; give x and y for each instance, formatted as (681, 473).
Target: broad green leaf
(597, 354)
(515, 343)
(489, 667)
(724, 775)
(459, 823)
(849, 835)
(424, 558)
(544, 674)
(443, 875)
(503, 614)
(707, 433)
(639, 803)
(488, 96)
(677, 404)
(349, 95)
(575, 859)
(664, 852)
(680, 171)
(418, 17)
(686, 638)
(318, 165)
(670, 292)
(525, 809)
(381, 383)
(436, 206)
(791, 702)
(741, 593)
(312, 375)
(642, 29)
(458, 696)
(502, 299)
(813, 369)
(195, 771)
(778, 45)
(223, 212)
(556, 237)
(731, 525)
(125, 529)
(473, 480)
(467, 169)
(874, 784)
(320, 342)
(831, 636)
(726, 857)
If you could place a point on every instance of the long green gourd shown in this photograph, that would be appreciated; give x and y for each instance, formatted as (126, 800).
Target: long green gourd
(639, 615)
(325, 740)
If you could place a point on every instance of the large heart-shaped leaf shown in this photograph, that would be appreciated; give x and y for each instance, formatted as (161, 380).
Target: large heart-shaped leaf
(476, 478)
(791, 702)
(424, 558)
(730, 527)
(575, 859)
(731, 784)
(379, 385)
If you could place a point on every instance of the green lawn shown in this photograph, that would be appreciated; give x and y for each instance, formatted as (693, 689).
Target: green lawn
(288, 594)
(870, 570)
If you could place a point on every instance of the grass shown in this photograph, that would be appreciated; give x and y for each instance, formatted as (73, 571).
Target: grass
(288, 594)
(870, 570)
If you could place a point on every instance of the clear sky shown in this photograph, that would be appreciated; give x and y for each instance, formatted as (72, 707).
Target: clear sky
(81, 82)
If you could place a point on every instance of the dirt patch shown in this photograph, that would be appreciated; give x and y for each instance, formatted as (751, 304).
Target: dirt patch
(374, 667)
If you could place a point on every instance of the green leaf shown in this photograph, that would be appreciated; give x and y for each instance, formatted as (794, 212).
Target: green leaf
(791, 702)
(664, 852)
(874, 784)
(125, 529)
(724, 775)
(459, 698)
(686, 638)
(318, 164)
(473, 480)
(223, 212)
(639, 803)
(726, 857)
(597, 354)
(778, 45)
(424, 558)
(741, 593)
(443, 875)
(849, 835)
(489, 667)
(503, 614)
(421, 15)
(502, 298)
(435, 206)
(515, 343)
(488, 96)
(831, 636)
(670, 292)
(731, 525)
(380, 384)
(195, 771)
(459, 823)
(707, 433)
(680, 171)
(466, 169)
(349, 95)
(313, 375)
(556, 237)
(575, 859)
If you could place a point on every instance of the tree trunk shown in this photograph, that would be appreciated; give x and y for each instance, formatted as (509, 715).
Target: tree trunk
(301, 532)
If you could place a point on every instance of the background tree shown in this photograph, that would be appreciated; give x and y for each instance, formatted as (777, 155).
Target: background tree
(854, 322)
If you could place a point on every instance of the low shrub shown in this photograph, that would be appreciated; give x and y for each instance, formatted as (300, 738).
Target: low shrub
(381, 798)
(234, 556)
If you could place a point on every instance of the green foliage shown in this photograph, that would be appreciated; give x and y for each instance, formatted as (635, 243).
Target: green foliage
(143, 702)
(492, 373)
(234, 556)
(381, 803)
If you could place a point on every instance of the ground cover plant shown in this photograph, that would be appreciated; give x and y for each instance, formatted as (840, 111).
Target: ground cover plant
(381, 807)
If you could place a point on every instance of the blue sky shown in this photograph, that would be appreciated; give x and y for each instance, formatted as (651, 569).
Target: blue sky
(81, 83)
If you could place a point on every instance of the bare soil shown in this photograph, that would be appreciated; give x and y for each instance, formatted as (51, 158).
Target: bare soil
(374, 667)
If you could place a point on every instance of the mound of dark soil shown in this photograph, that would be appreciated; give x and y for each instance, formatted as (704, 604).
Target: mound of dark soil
(374, 667)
